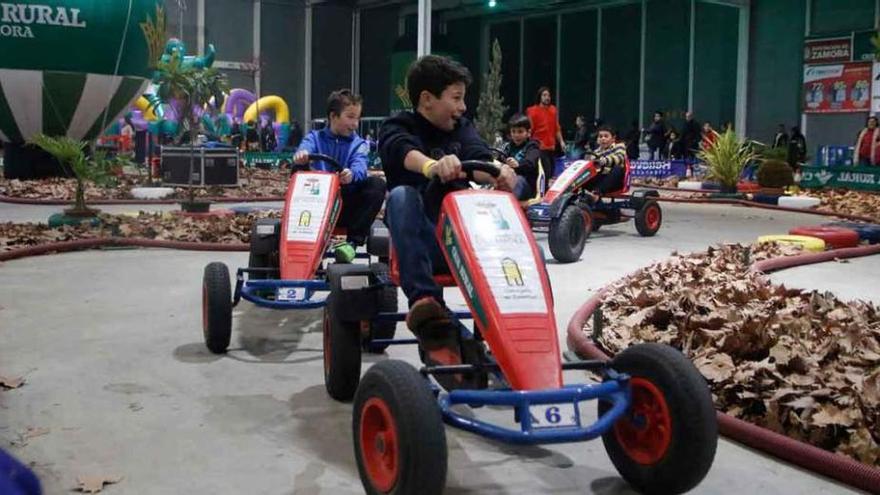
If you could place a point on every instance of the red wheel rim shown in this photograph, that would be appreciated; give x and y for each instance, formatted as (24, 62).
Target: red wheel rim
(379, 444)
(646, 432)
(326, 343)
(652, 217)
(205, 309)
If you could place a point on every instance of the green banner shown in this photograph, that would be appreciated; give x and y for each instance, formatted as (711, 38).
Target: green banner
(862, 49)
(864, 178)
(87, 36)
(255, 158)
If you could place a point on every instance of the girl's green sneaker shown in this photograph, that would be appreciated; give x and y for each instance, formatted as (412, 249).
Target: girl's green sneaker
(344, 252)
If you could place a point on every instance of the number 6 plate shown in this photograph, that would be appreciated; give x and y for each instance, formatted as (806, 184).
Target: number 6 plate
(554, 415)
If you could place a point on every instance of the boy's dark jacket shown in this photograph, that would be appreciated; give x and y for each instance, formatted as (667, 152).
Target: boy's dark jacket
(409, 131)
(528, 154)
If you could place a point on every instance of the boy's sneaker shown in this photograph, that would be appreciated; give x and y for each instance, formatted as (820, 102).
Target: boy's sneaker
(438, 335)
(344, 252)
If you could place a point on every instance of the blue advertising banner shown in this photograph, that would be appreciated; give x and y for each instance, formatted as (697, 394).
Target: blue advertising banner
(657, 168)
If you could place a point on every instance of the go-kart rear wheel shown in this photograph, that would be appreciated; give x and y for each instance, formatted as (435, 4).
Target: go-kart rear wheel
(666, 441)
(387, 304)
(342, 354)
(399, 442)
(216, 307)
(648, 218)
(568, 233)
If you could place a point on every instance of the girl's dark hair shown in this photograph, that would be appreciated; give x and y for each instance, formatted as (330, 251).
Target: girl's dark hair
(341, 98)
(433, 73)
(874, 118)
(541, 91)
(519, 120)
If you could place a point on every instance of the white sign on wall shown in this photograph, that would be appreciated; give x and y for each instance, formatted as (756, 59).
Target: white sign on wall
(875, 88)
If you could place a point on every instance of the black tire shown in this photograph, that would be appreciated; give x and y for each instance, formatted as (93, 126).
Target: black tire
(569, 233)
(399, 441)
(649, 218)
(387, 304)
(342, 354)
(675, 461)
(216, 307)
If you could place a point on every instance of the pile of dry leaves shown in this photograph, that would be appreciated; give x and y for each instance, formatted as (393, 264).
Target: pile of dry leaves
(656, 181)
(253, 183)
(800, 363)
(161, 226)
(860, 203)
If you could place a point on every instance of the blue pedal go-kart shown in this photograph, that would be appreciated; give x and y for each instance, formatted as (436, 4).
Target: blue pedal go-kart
(655, 412)
(286, 263)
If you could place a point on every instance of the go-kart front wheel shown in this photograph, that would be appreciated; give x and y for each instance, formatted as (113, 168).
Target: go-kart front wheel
(216, 307)
(569, 233)
(399, 442)
(649, 218)
(342, 354)
(666, 441)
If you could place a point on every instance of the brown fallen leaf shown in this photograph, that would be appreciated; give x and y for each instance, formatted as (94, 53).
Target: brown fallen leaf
(11, 382)
(94, 484)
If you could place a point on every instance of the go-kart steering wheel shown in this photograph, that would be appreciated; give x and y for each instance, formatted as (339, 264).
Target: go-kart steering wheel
(320, 157)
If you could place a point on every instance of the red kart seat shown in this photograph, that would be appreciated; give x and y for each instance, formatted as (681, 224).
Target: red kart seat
(442, 279)
(626, 179)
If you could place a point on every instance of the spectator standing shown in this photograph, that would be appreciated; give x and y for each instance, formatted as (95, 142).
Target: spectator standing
(581, 137)
(780, 139)
(655, 136)
(797, 148)
(632, 139)
(709, 136)
(867, 143)
(690, 135)
(546, 130)
(674, 146)
(267, 138)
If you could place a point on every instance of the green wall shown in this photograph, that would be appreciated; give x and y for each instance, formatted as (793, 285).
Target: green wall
(507, 34)
(577, 73)
(621, 61)
(667, 60)
(539, 57)
(715, 57)
(775, 66)
(834, 16)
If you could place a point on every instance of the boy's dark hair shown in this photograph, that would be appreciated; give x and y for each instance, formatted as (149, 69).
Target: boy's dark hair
(606, 128)
(519, 120)
(341, 98)
(433, 73)
(541, 91)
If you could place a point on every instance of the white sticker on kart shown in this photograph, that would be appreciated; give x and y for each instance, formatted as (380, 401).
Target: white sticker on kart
(553, 415)
(308, 204)
(568, 175)
(290, 294)
(503, 252)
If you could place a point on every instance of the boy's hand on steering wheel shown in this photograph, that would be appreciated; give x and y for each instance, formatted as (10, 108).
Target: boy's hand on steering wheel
(511, 162)
(345, 177)
(507, 180)
(448, 169)
(301, 157)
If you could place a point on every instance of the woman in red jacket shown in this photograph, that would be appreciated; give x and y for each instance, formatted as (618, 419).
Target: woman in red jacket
(868, 144)
(546, 130)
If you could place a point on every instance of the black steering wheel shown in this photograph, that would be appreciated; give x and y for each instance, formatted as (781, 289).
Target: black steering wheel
(320, 157)
(436, 189)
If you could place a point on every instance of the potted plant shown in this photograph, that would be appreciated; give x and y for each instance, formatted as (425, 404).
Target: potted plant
(491, 107)
(193, 88)
(70, 153)
(726, 159)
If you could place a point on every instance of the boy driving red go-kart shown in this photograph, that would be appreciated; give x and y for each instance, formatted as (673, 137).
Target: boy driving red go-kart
(415, 147)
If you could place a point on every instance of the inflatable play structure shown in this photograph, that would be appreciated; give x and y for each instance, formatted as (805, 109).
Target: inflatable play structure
(45, 88)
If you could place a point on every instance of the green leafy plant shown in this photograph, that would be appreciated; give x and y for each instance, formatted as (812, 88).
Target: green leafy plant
(491, 108)
(726, 159)
(192, 87)
(71, 153)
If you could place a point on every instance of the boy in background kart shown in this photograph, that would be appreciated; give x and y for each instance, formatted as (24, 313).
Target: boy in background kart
(417, 147)
(362, 195)
(524, 156)
(609, 158)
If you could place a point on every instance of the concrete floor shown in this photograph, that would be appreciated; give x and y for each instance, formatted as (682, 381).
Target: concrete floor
(110, 344)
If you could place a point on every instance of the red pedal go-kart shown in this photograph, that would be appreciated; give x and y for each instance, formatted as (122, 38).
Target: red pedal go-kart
(286, 259)
(656, 416)
(568, 215)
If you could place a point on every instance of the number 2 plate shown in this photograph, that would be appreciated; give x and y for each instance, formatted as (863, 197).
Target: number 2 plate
(291, 294)
(554, 415)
